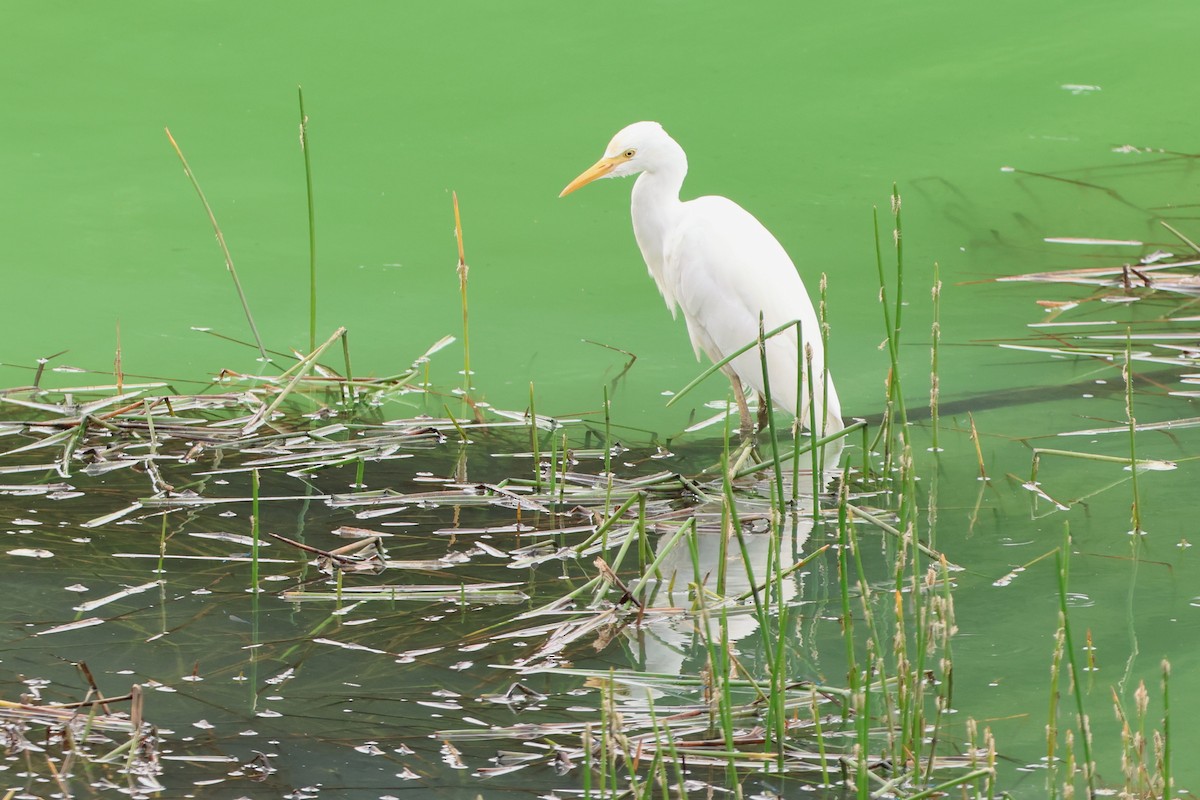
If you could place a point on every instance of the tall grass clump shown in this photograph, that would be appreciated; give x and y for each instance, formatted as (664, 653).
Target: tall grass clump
(900, 668)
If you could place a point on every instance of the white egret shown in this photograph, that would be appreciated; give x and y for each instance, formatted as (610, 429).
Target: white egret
(715, 262)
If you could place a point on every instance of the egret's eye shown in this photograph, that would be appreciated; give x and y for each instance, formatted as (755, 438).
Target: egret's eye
(630, 153)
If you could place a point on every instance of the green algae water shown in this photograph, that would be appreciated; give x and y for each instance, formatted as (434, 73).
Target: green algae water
(1023, 138)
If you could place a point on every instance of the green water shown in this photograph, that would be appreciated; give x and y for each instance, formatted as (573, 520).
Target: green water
(804, 115)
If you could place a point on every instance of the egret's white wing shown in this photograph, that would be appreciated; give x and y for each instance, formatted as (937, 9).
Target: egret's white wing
(723, 268)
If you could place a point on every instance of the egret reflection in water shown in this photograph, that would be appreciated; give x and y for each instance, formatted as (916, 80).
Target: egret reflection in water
(665, 641)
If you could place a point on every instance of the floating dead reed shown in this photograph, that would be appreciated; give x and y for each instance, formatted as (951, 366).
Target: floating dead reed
(649, 549)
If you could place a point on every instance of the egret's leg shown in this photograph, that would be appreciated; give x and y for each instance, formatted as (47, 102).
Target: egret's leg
(747, 422)
(764, 413)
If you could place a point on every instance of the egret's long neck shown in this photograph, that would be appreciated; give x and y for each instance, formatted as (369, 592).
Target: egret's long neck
(655, 206)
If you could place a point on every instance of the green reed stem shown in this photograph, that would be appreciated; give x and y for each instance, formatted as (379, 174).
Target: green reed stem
(875, 645)
(1038, 452)
(262, 351)
(824, 440)
(862, 726)
(940, 789)
(845, 546)
(655, 567)
(816, 454)
(462, 434)
(728, 514)
(1166, 728)
(349, 368)
(533, 441)
(672, 750)
(946, 700)
(824, 319)
(897, 733)
(1062, 561)
(795, 455)
(895, 396)
(725, 675)
(643, 539)
(608, 476)
(463, 269)
(1052, 716)
(899, 243)
(118, 370)
(890, 530)
(731, 513)
(818, 733)
(302, 368)
(312, 226)
(610, 521)
(585, 739)
(718, 661)
(744, 349)
(619, 559)
(606, 747)
(801, 564)
(778, 673)
(553, 465)
(777, 466)
(566, 467)
(866, 452)
(921, 610)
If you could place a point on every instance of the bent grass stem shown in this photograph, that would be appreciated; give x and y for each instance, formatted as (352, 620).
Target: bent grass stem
(212, 218)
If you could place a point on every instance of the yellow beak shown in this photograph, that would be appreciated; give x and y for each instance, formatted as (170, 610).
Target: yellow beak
(597, 170)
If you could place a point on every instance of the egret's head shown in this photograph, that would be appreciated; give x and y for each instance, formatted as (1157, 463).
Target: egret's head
(639, 147)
